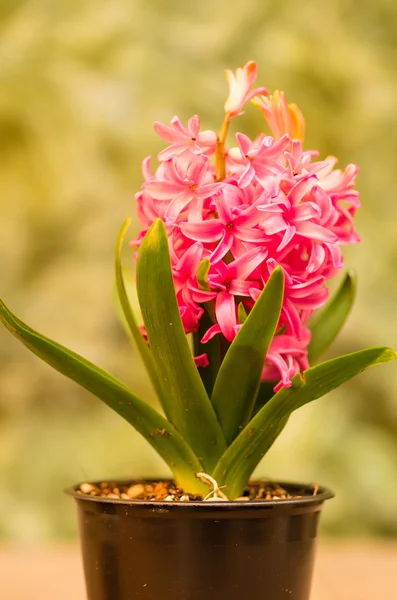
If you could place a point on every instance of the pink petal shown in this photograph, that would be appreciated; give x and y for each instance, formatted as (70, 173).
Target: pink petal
(209, 189)
(273, 149)
(195, 167)
(223, 207)
(240, 287)
(177, 205)
(288, 235)
(207, 138)
(195, 210)
(301, 188)
(193, 125)
(173, 150)
(282, 367)
(291, 315)
(211, 332)
(201, 360)
(316, 232)
(247, 176)
(165, 132)
(190, 260)
(245, 144)
(323, 202)
(203, 231)
(225, 310)
(223, 247)
(250, 235)
(178, 127)
(300, 290)
(274, 224)
(146, 170)
(162, 190)
(317, 258)
(243, 266)
(336, 254)
(306, 211)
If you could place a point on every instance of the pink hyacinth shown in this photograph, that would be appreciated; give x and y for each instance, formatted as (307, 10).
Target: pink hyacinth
(181, 139)
(275, 205)
(240, 84)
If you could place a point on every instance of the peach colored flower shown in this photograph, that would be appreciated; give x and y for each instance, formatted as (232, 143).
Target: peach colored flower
(281, 117)
(240, 84)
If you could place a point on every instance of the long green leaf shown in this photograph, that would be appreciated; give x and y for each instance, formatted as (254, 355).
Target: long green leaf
(327, 324)
(240, 459)
(141, 345)
(186, 402)
(164, 438)
(239, 377)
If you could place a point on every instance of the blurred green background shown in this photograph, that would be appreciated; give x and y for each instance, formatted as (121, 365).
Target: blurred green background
(81, 83)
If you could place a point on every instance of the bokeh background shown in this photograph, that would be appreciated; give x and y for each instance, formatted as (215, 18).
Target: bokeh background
(81, 82)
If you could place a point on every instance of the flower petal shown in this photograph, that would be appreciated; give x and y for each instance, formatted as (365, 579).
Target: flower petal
(225, 311)
(203, 231)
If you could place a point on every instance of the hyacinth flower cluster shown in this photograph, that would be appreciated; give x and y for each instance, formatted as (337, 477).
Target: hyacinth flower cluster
(240, 238)
(262, 203)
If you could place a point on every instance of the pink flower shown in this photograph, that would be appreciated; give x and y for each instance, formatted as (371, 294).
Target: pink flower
(263, 159)
(184, 271)
(277, 205)
(303, 294)
(240, 84)
(182, 139)
(286, 357)
(231, 280)
(294, 215)
(282, 118)
(186, 182)
(236, 222)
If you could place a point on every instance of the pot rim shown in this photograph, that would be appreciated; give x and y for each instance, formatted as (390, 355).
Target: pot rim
(322, 495)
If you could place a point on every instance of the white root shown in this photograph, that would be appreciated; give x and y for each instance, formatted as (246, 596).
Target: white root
(215, 493)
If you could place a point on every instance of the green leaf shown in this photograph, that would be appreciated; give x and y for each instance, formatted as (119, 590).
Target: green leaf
(186, 402)
(141, 345)
(164, 438)
(242, 313)
(327, 324)
(240, 459)
(237, 384)
(202, 274)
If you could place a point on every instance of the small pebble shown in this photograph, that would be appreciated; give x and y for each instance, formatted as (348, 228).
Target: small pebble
(169, 498)
(135, 491)
(216, 499)
(87, 488)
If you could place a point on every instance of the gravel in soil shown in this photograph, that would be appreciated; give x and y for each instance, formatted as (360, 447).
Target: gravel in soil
(167, 491)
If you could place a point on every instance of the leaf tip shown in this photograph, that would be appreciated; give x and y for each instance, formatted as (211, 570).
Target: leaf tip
(388, 355)
(7, 318)
(351, 280)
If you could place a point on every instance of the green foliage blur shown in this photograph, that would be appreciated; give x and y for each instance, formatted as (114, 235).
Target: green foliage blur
(81, 83)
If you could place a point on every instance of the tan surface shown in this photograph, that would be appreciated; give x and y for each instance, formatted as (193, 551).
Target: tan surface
(343, 572)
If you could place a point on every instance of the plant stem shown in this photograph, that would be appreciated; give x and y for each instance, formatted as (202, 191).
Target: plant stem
(220, 162)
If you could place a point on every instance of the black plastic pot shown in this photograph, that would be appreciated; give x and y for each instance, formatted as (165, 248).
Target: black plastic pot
(262, 550)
